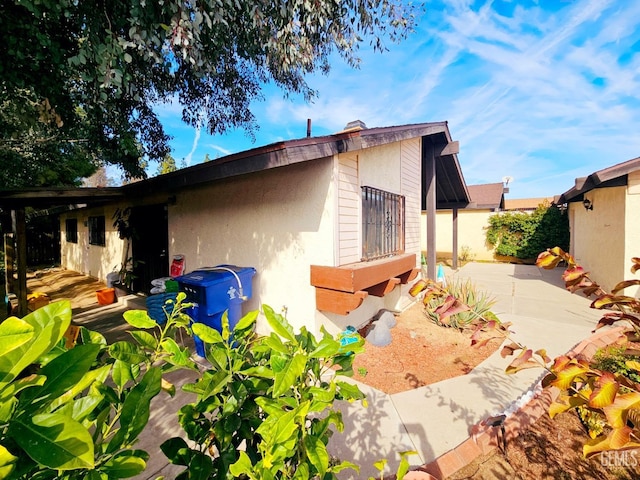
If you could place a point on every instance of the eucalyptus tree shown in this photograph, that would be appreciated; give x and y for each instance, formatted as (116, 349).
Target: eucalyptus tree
(82, 80)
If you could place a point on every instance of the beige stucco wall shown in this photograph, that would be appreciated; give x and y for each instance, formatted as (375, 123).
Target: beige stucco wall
(632, 229)
(93, 260)
(280, 222)
(598, 236)
(472, 226)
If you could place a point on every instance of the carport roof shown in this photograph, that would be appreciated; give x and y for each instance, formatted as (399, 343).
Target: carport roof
(613, 176)
(451, 187)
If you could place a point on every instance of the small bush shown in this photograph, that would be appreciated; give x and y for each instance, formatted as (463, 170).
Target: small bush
(615, 360)
(466, 292)
(523, 235)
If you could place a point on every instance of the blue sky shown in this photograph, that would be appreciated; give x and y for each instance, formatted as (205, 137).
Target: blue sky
(542, 91)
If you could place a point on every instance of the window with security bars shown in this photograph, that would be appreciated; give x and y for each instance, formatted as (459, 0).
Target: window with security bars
(71, 230)
(382, 223)
(97, 231)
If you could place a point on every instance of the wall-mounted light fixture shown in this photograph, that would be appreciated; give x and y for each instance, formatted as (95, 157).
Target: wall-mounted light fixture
(587, 204)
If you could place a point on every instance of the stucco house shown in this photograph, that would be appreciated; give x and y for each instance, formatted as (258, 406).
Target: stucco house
(331, 224)
(603, 221)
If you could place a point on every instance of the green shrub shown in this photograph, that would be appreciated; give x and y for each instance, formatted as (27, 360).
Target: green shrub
(272, 395)
(615, 360)
(523, 235)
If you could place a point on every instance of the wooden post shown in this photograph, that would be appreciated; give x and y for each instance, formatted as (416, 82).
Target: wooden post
(429, 163)
(9, 259)
(20, 231)
(455, 238)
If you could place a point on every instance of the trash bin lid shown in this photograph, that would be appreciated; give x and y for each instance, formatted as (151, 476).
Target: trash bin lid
(206, 277)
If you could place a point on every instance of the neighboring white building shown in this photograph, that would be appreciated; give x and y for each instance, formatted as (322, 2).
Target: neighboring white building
(603, 220)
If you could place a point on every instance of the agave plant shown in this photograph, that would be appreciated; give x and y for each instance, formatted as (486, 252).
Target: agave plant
(472, 304)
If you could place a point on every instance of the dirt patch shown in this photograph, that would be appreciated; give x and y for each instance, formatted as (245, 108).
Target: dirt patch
(420, 353)
(552, 449)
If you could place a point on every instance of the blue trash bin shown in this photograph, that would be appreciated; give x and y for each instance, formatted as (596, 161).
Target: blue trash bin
(214, 290)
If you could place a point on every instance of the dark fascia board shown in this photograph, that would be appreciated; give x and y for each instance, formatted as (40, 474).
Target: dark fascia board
(47, 197)
(613, 176)
(281, 154)
(250, 161)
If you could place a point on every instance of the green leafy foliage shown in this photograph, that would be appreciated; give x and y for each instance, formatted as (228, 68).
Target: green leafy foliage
(76, 413)
(523, 235)
(274, 395)
(81, 82)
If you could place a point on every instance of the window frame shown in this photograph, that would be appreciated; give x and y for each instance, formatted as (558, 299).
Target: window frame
(71, 230)
(383, 223)
(97, 230)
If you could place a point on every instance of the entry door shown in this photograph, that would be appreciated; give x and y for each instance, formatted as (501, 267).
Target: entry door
(149, 245)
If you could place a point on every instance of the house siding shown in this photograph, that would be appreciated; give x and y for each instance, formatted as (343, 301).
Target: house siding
(411, 189)
(349, 210)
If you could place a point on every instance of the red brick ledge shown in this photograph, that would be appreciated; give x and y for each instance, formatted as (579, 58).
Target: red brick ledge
(484, 438)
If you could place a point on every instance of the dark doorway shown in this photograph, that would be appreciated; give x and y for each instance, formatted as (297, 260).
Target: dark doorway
(150, 245)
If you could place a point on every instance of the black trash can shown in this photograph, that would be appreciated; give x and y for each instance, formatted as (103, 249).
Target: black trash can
(214, 290)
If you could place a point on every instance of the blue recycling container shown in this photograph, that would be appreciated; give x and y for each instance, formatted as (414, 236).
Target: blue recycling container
(214, 290)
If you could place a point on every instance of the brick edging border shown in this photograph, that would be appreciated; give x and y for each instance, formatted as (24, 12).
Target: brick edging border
(484, 438)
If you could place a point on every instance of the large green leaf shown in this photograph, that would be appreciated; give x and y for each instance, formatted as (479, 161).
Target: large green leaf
(139, 319)
(327, 347)
(127, 352)
(317, 454)
(62, 373)
(14, 333)
(135, 410)
(81, 408)
(99, 375)
(289, 374)
(7, 462)
(145, 339)
(126, 464)
(206, 333)
(248, 321)
(54, 440)
(49, 324)
(279, 324)
(121, 373)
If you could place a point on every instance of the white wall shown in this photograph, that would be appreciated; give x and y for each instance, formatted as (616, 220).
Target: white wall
(279, 221)
(93, 260)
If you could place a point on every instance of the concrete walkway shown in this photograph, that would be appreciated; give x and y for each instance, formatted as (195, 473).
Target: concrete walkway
(430, 420)
(434, 419)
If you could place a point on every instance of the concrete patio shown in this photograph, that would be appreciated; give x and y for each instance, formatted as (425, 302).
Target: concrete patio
(434, 419)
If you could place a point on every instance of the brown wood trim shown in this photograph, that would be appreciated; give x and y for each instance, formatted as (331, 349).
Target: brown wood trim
(407, 277)
(381, 289)
(335, 301)
(359, 276)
